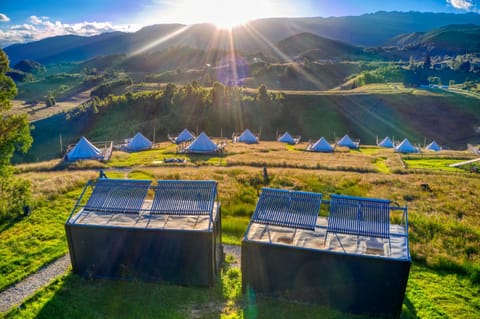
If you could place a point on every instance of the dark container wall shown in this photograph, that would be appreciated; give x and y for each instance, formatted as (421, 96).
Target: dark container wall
(351, 283)
(184, 257)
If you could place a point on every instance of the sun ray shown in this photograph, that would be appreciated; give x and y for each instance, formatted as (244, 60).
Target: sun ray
(233, 60)
(160, 40)
(285, 57)
(238, 108)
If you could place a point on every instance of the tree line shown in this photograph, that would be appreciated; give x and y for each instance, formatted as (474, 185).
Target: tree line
(15, 194)
(209, 109)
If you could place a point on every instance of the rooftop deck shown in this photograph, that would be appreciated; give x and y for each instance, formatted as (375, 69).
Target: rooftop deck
(145, 220)
(178, 205)
(338, 243)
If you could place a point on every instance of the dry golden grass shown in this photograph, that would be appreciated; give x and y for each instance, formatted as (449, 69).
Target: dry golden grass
(57, 165)
(278, 154)
(47, 184)
(41, 166)
(41, 111)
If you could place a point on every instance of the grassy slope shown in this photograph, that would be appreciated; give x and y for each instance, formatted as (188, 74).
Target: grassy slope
(58, 87)
(32, 242)
(41, 111)
(318, 77)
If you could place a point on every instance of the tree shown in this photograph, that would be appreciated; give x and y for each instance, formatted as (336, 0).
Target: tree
(218, 94)
(464, 66)
(434, 80)
(290, 72)
(411, 63)
(262, 98)
(427, 63)
(14, 136)
(469, 85)
(50, 100)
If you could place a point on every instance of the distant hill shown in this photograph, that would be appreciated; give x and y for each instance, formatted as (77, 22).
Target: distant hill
(452, 39)
(66, 48)
(29, 66)
(316, 47)
(366, 30)
(171, 59)
(373, 29)
(77, 48)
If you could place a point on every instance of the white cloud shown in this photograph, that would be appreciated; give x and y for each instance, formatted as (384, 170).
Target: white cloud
(4, 18)
(42, 27)
(35, 20)
(23, 27)
(462, 4)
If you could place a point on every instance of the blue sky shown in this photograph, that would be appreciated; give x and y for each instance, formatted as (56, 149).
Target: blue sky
(29, 20)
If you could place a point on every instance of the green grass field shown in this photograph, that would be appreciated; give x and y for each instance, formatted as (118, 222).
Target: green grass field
(428, 296)
(444, 230)
(432, 163)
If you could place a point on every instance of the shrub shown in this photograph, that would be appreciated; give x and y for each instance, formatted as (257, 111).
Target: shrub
(15, 194)
(105, 89)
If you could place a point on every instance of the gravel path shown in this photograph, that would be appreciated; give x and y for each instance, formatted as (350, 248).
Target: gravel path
(17, 293)
(236, 251)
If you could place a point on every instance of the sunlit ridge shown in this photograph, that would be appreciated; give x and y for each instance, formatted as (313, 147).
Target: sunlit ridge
(295, 65)
(160, 41)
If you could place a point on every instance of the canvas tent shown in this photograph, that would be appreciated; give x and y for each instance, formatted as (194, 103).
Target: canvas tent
(202, 144)
(347, 142)
(287, 138)
(247, 137)
(433, 147)
(138, 143)
(84, 149)
(406, 147)
(386, 142)
(321, 145)
(184, 136)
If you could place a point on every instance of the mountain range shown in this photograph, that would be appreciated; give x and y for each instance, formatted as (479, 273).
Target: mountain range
(406, 29)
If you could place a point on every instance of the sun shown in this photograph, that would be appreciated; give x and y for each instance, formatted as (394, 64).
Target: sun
(224, 14)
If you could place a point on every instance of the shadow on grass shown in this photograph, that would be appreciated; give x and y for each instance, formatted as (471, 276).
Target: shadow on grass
(75, 297)
(257, 307)
(10, 222)
(72, 296)
(444, 266)
(408, 310)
